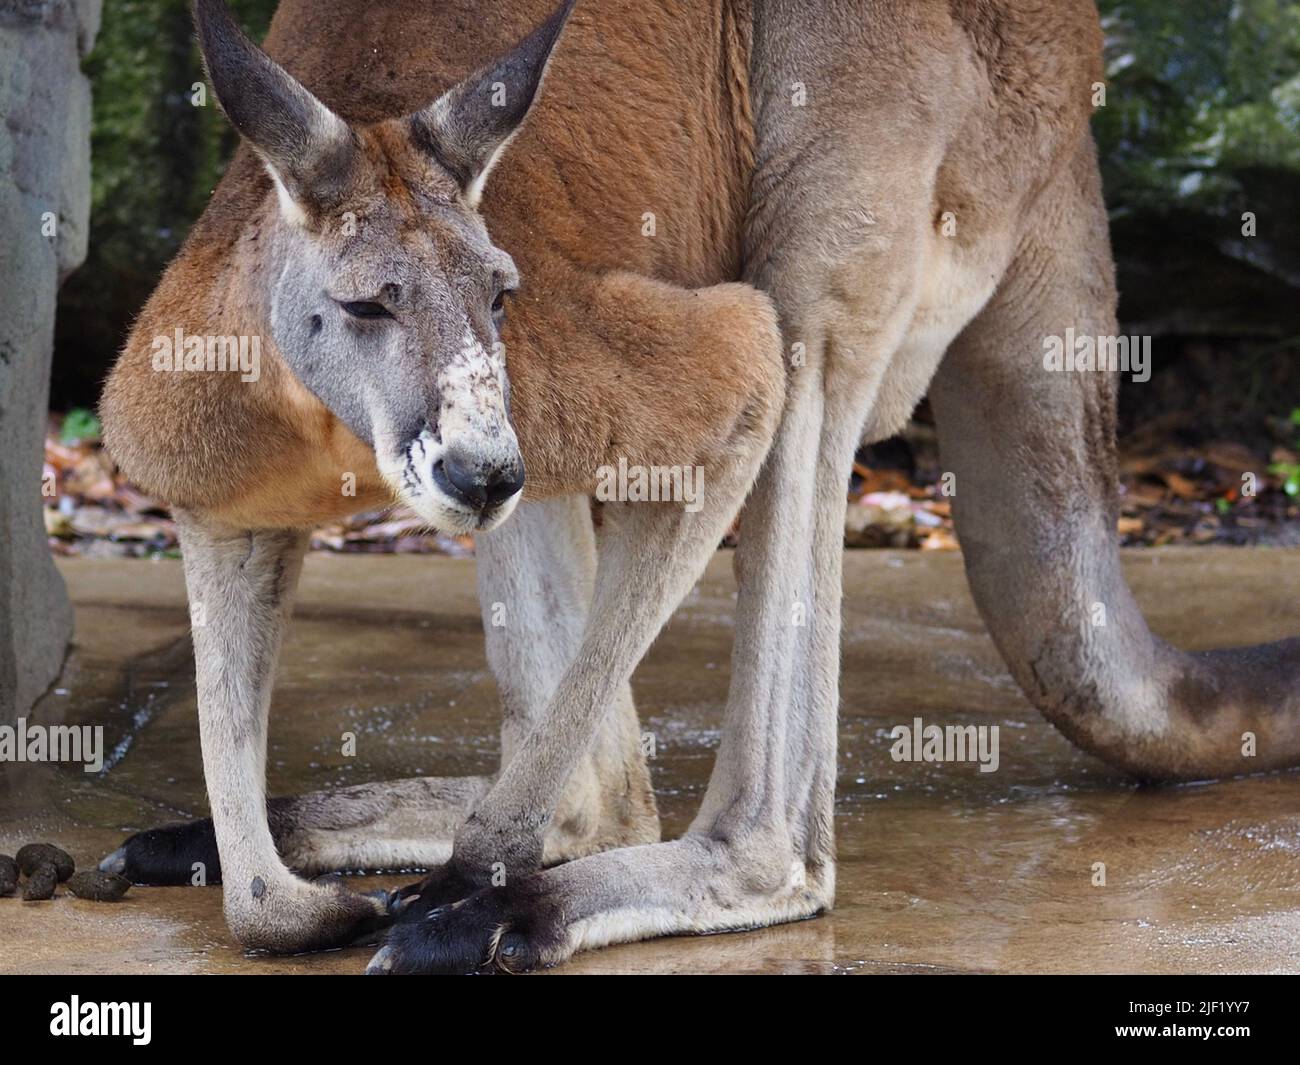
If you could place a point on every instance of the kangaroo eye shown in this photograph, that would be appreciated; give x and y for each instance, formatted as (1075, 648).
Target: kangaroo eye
(366, 309)
(499, 306)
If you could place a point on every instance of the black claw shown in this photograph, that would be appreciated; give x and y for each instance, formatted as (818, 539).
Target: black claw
(442, 887)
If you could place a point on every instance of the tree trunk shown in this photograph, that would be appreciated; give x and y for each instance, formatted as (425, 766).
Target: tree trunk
(44, 211)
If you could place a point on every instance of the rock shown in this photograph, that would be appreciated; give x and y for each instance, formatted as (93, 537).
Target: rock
(40, 885)
(8, 875)
(98, 885)
(34, 855)
(44, 216)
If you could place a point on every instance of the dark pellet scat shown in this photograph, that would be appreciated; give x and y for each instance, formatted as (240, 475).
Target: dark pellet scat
(8, 875)
(34, 855)
(40, 884)
(98, 885)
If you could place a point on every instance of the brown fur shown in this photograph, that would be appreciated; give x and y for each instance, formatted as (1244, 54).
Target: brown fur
(606, 325)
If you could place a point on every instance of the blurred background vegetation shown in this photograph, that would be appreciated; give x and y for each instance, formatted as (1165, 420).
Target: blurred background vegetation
(155, 159)
(1201, 124)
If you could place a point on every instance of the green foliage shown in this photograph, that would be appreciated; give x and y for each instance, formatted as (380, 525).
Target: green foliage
(1199, 141)
(155, 159)
(1289, 471)
(79, 424)
(1199, 92)
(156, 155)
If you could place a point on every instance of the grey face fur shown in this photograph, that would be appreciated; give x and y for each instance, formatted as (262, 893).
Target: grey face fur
(394, 331)
(387, 294)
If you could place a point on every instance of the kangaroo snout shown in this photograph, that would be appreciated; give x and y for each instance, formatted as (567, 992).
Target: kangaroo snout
(479, 483)
(469, 485)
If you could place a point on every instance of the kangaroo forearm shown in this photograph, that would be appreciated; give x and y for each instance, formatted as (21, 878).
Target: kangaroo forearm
(656, 375)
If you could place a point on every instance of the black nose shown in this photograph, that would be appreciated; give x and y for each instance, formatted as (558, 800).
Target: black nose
(476, 485)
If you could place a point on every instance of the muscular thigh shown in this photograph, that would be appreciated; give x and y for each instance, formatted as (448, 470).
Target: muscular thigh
(848, 150)
(901, 149)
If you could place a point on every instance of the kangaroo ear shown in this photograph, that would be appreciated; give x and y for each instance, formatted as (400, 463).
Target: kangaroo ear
(307, 148)
(468, 127)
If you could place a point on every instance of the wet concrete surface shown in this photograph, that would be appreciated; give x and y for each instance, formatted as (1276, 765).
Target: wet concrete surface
(942, 868)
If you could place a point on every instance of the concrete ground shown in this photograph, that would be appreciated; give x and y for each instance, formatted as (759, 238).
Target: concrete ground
(942, 868)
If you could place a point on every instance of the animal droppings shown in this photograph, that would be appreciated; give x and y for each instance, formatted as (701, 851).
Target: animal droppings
(8, 875)
(34, 855)
(40, 884)
(98, 885)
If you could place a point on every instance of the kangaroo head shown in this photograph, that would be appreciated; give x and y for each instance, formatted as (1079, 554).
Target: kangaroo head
(386, 294)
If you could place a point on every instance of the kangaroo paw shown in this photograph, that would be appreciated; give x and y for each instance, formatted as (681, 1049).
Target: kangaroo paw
(506, 929)
(443, 886)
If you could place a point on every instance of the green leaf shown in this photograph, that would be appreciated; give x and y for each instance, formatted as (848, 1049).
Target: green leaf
(79, 424)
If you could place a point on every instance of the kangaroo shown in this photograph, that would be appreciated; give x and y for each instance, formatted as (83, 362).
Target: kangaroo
(856, 204)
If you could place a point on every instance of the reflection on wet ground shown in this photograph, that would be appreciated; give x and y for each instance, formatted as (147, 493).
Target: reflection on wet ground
(943, 868)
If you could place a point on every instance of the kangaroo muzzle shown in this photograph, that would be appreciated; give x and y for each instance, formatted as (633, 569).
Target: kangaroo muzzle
(478, 482)
(478, 467)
